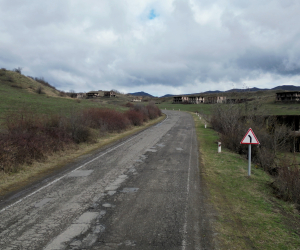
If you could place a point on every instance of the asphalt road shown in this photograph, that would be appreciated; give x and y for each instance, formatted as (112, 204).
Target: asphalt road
(143, 193)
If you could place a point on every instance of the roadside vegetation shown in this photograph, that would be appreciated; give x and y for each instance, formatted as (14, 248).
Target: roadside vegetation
(260, 212)
(250, 214)
(28, 137)
(273, 155)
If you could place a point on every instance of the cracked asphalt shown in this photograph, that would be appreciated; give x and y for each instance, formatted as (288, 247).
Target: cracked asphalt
(142, 193)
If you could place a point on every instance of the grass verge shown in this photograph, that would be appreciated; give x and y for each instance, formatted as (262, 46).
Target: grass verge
(28, 174)
(249, 215)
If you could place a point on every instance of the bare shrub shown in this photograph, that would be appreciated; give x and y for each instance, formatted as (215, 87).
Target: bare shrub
(135, 117)
(79, 131)
(62, 94)
(233, 121)
(29, 137)
(105, 120)
(227, 120)
(39, 90)
(143, 110)
(129, 105)
(18, 70)
(153, 111)
(288, 180)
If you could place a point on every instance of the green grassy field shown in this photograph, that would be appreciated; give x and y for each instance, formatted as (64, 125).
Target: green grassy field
(18, 95)
(19, 99)
(249, 215)
(267, 108)
(201, 108)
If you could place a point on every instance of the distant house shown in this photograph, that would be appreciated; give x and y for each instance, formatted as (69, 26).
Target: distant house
(181, 99)
(239, 100)
(80, 95)
(291, 96)
(109, 94)
(177, 99)
(221, 99)
(137, 99)
(195, 99)
(93, 94)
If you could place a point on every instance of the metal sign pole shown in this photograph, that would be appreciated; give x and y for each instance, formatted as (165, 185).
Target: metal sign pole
(249, 160)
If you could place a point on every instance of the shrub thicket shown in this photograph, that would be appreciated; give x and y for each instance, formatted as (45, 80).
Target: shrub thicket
(135, 117)
(232, 122)
(28, 137)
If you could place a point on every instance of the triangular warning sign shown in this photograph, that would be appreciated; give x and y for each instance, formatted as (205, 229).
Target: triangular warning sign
(250, 138)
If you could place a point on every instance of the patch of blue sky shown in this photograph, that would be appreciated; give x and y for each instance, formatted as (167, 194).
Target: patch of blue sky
(152, 15)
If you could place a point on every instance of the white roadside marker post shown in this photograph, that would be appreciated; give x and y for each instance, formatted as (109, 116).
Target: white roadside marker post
(249, 139)
(219, 147)
(205, 125)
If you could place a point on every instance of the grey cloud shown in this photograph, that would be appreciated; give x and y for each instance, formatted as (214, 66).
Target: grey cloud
(83, 44)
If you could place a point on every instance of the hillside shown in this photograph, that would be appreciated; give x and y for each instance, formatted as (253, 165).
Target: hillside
(21, 93)
(19, 81)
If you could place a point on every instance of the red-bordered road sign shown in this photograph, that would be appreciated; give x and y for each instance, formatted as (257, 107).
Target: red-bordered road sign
(250, 138)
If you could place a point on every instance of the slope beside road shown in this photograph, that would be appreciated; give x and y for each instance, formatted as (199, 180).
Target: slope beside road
(144, 193)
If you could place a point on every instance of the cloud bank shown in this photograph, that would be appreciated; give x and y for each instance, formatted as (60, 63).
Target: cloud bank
(160, 47)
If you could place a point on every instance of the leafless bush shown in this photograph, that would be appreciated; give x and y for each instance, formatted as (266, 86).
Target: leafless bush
(129, 105)
(135, 117)
(105, 120)
(62, 94)
(143, 110)
(39, 90)
(153, 111)
(233, 121)
(29, 137)
(18, 70)
(79, 132)
(287, 182)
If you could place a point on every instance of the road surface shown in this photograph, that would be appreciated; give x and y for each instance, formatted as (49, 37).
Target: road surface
(143, 193)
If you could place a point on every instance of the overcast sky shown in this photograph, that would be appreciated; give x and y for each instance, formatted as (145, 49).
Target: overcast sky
(160, 47)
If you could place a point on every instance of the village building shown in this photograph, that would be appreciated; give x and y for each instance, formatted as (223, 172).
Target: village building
(193, 99)
(137, 99)
(211, 99)
(291, 96)
(80, 95)
(196, 99)
(221, 99)
(180, 99)
(93, 94)
(109, 94)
